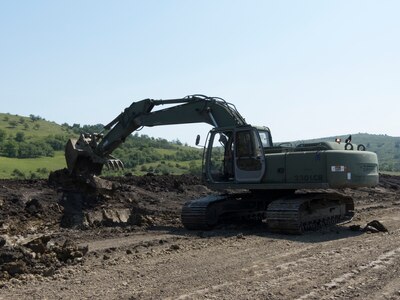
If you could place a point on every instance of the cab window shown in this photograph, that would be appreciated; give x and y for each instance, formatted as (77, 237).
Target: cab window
(265, 140)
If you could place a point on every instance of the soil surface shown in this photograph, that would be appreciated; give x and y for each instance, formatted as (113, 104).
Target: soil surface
(126, 241)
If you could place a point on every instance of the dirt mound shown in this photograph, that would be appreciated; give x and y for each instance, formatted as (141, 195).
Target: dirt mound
(32, 208)
(38, 256)
(40, 206)
(389, 181)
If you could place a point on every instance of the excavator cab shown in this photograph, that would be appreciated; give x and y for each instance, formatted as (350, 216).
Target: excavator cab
(236, 154)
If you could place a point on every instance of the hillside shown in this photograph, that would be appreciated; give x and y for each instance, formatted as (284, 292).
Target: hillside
(32, 126)
(31, 147)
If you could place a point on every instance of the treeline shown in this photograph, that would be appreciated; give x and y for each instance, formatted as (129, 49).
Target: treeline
(138, 150)
(18, 141)
(20, 146)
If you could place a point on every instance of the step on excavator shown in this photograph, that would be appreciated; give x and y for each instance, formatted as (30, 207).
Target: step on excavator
(293, 188)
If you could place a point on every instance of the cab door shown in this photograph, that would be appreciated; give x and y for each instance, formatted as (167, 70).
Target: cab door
(249, 162)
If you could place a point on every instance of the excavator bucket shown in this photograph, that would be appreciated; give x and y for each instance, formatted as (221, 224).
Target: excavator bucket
(82, 160)
(71, 154)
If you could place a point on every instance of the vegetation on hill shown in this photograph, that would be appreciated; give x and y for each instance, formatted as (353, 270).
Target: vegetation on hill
(27, 142)
(31, 147)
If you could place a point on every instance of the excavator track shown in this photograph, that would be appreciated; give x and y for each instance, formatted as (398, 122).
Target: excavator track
(207, 212)
(310, 211)
(201, 213)
(293, 214)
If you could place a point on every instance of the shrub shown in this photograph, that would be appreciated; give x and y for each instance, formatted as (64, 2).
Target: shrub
(10, 149)
(16, 173)
(20, 137)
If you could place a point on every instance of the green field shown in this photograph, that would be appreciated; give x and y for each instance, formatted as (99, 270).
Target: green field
(29, 166)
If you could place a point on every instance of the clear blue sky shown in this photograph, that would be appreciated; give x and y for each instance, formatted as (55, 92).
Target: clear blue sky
(306, 69)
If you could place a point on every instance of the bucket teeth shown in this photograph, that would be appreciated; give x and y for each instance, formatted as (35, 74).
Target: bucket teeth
(114, 164)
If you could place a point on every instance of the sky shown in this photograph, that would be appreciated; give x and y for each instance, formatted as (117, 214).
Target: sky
(306, 69)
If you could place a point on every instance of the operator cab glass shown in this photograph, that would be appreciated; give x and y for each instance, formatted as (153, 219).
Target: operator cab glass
(236, 155)
(265, 138)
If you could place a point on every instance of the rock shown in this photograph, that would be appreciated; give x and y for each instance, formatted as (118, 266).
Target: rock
(13, 268)
(38, 245)
(69, 251)
(240, 236)
(375, 226)
(370, 229)
(355, 227)
(33, 206)
(174, 247)
(10, 254)
(48, 272)
(2, 241)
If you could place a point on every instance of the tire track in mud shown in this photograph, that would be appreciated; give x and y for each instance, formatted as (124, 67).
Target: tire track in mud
(316, 267)
(366, 274)
(343, 263)
(301, 272)
(255, 267)
(131, 240)
(218, 288)
(260, 269)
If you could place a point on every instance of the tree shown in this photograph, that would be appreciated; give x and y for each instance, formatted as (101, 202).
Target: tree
(34, 149)
(2, 135)
(20, 137)
(178, 142)
(35, 118)
(57, 142)
(10, 149)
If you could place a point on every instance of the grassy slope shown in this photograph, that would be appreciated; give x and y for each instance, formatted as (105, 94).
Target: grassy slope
(33, 130)
(43, 128)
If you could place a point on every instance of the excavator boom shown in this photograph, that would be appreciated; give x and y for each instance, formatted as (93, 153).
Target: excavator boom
(91, 152)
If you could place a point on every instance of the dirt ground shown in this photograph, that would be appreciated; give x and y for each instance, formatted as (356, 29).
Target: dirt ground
(126, 242)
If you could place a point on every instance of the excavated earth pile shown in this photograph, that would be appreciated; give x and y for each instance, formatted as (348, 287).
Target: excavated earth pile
(68, 240)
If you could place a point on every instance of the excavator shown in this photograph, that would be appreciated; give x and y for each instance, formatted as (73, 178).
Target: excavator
(294, 188)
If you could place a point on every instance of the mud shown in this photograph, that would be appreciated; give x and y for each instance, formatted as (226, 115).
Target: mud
(125, 241)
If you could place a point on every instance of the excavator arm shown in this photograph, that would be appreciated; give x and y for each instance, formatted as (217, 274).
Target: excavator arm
(88, 154)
